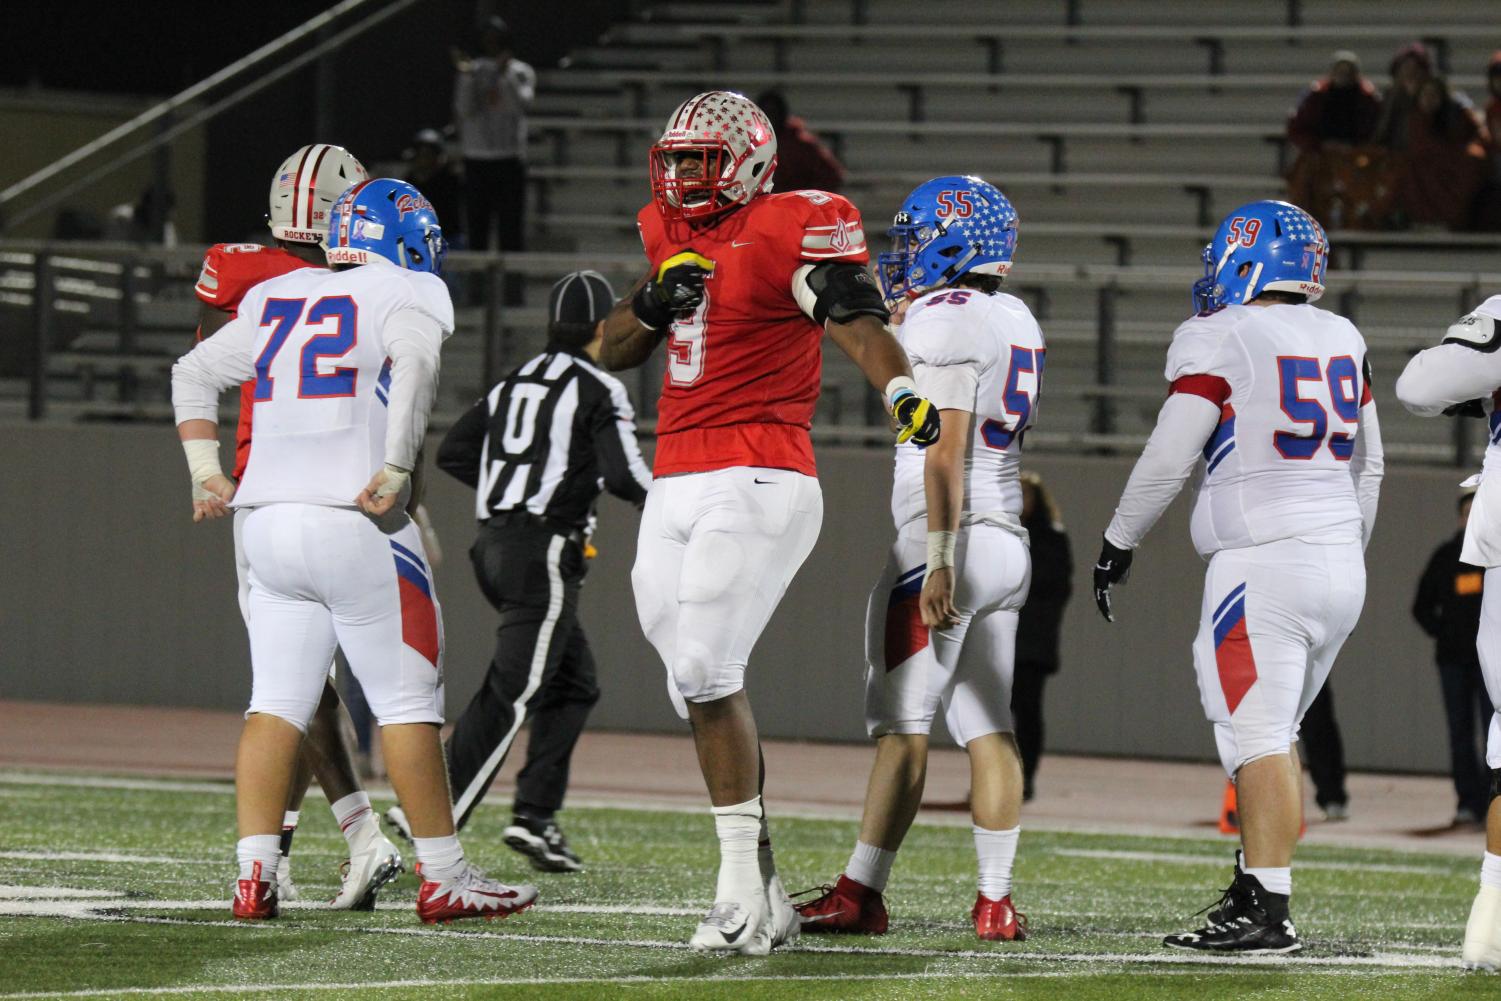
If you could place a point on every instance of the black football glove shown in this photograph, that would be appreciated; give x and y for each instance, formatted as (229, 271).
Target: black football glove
(1113, 567)
(677, 289)
(916, 419)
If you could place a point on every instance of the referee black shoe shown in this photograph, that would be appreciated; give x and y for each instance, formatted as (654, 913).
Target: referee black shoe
(1248, 920)
(543, 844)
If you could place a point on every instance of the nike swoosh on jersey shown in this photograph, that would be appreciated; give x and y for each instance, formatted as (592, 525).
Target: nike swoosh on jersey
(737, 243)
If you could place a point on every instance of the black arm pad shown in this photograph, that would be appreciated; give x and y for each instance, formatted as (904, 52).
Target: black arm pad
(844, 291)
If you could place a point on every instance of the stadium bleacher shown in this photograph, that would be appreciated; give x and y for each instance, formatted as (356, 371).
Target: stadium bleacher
(1122, 133)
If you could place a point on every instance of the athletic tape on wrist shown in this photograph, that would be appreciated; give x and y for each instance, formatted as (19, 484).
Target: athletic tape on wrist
(203, 459)
(897, 385)
(941, 547)
(396, 479)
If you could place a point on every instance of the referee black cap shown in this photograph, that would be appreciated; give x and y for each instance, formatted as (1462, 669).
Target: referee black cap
(581, 297)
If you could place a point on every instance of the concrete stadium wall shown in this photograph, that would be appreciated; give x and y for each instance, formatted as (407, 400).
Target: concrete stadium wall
(110, 594)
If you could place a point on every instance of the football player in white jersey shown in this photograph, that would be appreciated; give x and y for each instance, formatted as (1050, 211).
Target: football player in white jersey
(1270, 411)
(1462, 377)
(345, 364)
(941, 623)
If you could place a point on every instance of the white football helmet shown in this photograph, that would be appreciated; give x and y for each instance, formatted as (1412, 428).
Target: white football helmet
(733, 141)
(305, 186)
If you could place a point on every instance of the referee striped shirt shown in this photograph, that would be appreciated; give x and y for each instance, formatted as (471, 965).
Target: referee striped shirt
(548, 439)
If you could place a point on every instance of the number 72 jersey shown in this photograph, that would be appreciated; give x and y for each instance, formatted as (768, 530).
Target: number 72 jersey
(1290, 382)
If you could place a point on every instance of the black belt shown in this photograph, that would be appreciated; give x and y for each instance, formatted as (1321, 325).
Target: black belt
(551, 525)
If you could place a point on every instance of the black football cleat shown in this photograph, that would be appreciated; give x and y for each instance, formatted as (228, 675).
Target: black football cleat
(1248, 920)
(543, 843)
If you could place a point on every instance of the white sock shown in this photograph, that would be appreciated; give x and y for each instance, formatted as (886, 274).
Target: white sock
(1278, 879)
(259, 849)
(764, 858)
(351, 811)
(996, 851)
(1490, 871)
(870, 866)
(440, 858)
(739, 830)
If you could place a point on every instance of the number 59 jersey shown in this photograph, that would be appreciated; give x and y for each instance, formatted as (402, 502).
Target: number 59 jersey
(983, 354)
(1290, 381)
(315, 343)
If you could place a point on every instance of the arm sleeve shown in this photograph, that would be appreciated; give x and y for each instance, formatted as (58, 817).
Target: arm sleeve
(1425, 606)
(461, 448)
(613, 431)
(214, 365)
(1464, 367)
(413, 338)
(1367, 466)
(1184, 424)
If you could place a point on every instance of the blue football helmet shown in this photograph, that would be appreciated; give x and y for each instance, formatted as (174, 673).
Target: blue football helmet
(389, 219)
(947, 227)
(1262, 245)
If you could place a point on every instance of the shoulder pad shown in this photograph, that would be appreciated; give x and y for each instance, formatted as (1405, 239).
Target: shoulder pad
(1476, 331)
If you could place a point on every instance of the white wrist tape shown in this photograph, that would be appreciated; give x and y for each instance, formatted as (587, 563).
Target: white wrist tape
(896, 385)
(203, 459)
(396, 480)
(941, 547)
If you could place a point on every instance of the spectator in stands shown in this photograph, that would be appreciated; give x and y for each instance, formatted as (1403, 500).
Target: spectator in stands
(490, 97)
(1448, 608)
(1334, 116)
(428, 168)
(803, 161)
(1488, 202)
(1445, 160)
(1410, 68)
(1037, 630)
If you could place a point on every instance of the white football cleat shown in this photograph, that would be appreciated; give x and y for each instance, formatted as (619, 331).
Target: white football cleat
(286, 890)
(782, 917)
(1482, 948)
(396, 819)
(733, 926)
(369, 867)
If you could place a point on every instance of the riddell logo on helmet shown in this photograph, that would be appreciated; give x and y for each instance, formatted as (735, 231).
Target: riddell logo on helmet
(407, 204)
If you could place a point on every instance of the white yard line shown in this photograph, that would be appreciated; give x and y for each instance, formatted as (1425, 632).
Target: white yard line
(1216, 860)
(35, 856)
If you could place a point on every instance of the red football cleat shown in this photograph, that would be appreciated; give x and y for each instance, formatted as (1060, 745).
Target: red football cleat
(469, 895)
(846, 907)
(255, 898)
(997, 920)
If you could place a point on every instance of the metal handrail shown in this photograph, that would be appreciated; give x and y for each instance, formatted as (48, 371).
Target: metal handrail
(187, 96)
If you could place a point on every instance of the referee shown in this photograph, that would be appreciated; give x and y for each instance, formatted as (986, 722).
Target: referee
(539, 448)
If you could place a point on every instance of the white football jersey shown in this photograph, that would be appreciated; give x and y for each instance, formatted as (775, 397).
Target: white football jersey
(313, 341)
(984, 354)
(1291, 380)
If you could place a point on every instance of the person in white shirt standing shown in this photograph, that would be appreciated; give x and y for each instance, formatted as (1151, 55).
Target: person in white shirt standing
(1462, 377)
(941, 623)
(1269, 409)
(490, 96)
(345, 364)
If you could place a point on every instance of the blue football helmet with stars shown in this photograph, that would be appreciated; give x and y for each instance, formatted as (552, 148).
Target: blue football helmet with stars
(1262, 245)
(947, 227)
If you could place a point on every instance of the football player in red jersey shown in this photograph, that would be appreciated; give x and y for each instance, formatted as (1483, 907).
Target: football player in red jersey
(743, 285)
(304, 188)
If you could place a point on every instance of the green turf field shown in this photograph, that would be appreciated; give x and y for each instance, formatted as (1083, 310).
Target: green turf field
(116, 887)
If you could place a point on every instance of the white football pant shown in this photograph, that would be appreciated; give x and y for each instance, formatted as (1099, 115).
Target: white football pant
(1488, 645)
(968, 669)
(323, 578)
(714, 556)
(1274, 618)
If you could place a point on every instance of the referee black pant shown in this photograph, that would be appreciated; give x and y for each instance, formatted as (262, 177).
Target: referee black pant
(542, 672)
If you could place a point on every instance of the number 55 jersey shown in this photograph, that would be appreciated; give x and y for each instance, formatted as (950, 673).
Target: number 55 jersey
(743, 372)
(1292, 387)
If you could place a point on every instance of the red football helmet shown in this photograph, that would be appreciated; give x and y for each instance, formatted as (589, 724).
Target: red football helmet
(733, 142)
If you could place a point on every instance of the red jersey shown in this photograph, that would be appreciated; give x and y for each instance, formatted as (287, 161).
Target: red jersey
(743, 372)
(229, 271)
